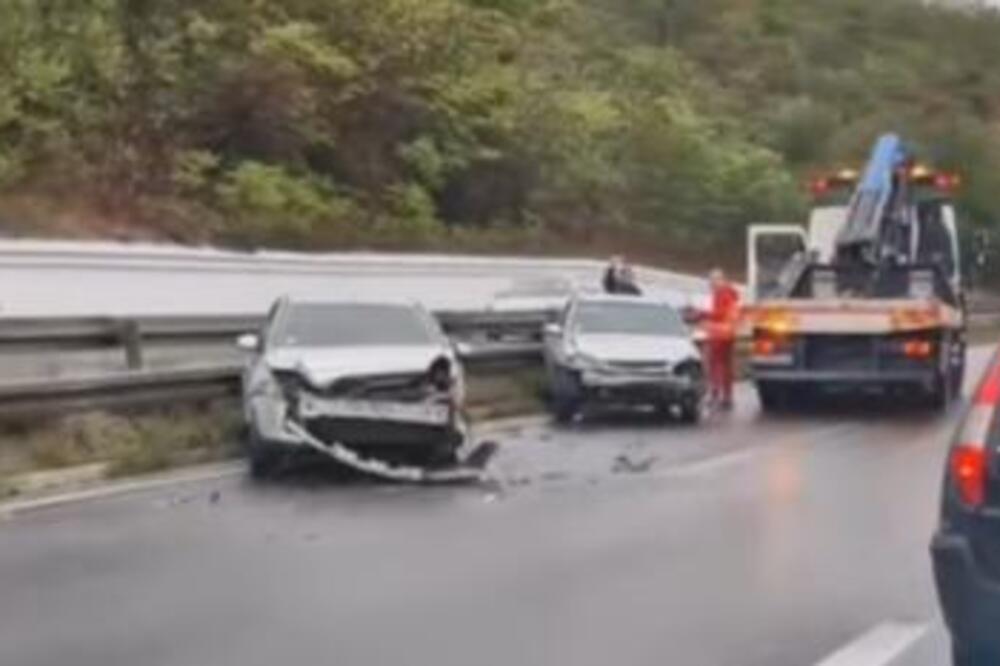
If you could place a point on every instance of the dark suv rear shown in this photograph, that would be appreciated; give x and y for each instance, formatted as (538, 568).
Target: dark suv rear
(966, 548)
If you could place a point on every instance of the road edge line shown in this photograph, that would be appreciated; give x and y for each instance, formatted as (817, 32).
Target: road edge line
(882, 645)
(213, 472)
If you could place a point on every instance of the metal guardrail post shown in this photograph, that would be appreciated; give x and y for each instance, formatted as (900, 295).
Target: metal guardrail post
(131, 337)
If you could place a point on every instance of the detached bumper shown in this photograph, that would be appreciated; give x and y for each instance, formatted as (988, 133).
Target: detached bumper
(970, 600)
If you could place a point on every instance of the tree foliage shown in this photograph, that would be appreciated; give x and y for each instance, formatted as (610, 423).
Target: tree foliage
(283, 120)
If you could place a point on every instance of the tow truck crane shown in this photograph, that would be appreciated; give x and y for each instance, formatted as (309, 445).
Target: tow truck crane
(870, 298)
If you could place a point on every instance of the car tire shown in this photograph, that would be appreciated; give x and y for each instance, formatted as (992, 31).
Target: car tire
(565, 409)
(690, 411)
(264, 460)
(973, 655)
(566, 394)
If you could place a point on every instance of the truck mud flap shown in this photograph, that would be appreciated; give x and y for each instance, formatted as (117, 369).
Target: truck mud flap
(471, 470)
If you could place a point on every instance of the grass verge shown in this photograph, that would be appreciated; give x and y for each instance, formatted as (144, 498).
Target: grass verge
(504, 393)
(128, 443)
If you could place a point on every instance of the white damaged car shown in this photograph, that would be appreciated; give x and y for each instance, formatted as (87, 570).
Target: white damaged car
(623, 351)
(359, 381)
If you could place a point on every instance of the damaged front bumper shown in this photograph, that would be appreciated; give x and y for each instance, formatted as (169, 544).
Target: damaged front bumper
(359, 423)
(416, 442)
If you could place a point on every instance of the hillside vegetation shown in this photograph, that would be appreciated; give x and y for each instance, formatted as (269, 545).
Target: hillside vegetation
(419, 123)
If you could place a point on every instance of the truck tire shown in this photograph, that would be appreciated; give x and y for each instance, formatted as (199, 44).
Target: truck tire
(773, 398)
(942, 394)
(958, 373)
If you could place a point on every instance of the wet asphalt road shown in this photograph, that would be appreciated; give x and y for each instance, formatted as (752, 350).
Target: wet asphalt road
(751, 541)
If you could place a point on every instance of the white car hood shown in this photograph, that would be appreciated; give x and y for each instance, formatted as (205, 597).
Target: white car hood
(636, 348)
(323, 366)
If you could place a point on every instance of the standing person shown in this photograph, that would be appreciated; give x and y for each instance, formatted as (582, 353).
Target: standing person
(722, 321)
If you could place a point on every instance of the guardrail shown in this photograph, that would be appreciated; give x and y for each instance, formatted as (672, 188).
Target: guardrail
(481, 338)
(126, 388)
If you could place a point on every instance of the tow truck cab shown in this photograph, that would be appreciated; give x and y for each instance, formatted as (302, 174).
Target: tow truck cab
(894, 323)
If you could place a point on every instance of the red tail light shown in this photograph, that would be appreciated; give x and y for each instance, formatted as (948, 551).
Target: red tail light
(968, 473)
(969, 463)
(918, 349)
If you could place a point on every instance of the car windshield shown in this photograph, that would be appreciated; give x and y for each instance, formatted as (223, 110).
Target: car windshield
(606, 318)
(349, 325)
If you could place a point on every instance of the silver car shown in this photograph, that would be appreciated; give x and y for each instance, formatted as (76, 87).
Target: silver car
(623, 351)
(378, 380)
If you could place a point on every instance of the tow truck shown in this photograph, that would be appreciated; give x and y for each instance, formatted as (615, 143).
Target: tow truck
(869, 297)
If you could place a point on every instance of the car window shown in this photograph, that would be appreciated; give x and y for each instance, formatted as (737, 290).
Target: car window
(627, 319)
(335, 325)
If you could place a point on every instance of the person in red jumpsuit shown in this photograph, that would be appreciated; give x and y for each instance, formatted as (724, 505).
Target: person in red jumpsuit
(722, 321)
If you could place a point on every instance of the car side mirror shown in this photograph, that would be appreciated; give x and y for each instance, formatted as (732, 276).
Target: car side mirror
(553, 330)
(248, 342)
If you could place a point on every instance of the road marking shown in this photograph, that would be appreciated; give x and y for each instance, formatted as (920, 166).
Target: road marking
(880, 646)
(213, 473)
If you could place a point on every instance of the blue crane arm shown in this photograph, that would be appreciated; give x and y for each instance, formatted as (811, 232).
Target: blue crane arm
(873, 198)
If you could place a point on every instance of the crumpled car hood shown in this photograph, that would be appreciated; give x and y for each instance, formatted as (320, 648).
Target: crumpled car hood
(321, 367)
(636, 348)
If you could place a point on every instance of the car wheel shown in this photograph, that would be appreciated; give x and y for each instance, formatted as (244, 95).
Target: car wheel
(566, 394)
(263, 464)
(974, 655)
(690, 410)
(565, 409)
(264, 460)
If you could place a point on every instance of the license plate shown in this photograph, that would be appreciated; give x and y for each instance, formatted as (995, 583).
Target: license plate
(369, 410)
